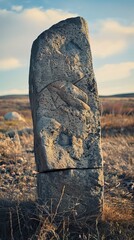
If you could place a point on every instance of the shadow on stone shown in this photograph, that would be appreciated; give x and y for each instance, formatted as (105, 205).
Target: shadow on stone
(18, 220)
(29, 220)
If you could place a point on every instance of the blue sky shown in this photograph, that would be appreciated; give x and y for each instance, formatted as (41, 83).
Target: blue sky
(111, 31)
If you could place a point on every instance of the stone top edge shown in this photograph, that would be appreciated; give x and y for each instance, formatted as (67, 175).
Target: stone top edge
(74, 20)
(79, 21)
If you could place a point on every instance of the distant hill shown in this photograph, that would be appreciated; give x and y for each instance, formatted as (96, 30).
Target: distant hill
(15, 96)
(122, 95)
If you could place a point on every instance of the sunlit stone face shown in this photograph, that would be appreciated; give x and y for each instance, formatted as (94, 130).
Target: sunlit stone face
(65, 121)
(65, 111)
(65, 103)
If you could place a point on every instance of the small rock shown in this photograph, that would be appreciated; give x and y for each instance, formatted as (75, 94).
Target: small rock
(2, 170)
(13, 116)
(20, 160)
(26, 131)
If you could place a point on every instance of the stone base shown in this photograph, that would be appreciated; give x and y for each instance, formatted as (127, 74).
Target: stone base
(72, 192)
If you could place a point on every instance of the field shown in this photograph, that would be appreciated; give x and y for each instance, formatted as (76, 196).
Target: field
(20, 215)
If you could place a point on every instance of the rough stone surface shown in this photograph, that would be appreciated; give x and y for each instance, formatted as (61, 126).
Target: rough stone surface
(72, 191)
(13, 116)
(65, 111)
(64, 99)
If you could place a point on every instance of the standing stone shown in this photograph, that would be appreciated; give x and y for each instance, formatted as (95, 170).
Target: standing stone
(65, 111)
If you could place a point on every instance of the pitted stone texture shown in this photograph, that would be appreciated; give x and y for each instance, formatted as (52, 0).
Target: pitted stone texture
(72, 191)
(64, 98)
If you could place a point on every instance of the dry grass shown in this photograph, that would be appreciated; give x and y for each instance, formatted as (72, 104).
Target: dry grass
(25, 220)
(20, 105)
(118, 121)
(17, 168)
(116, 212)
(117, 106)
(10, 148)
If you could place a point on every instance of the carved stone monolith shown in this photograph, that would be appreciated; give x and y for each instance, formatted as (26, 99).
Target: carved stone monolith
(65, 112)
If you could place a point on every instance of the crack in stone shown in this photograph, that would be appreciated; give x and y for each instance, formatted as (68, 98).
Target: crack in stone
(66, 169)
(56, 81)
(45, 87)
(79, 80)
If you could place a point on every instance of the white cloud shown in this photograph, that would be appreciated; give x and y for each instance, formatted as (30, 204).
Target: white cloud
(116, 27)
(111, 72)
(9, 63)
(17, 8)
(19, 27)
(19, 30)
(110, 37)
(102, 48)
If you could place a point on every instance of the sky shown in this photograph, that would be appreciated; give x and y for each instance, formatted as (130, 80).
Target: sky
(111, 32)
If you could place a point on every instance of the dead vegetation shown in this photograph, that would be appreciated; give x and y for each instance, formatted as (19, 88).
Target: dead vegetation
(21, 217)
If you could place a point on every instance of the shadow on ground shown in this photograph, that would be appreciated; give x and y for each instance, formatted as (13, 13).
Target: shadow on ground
(18, 220)
(29, 221)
